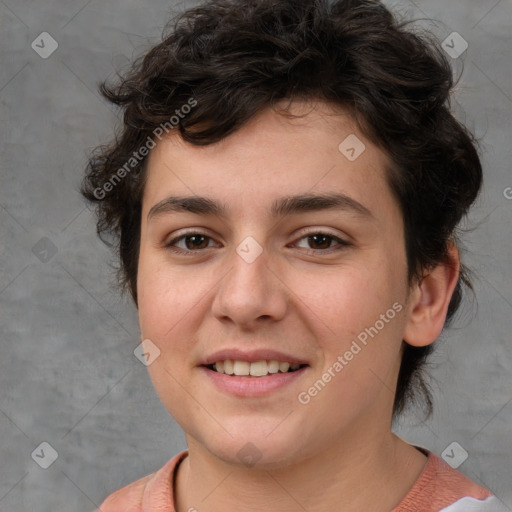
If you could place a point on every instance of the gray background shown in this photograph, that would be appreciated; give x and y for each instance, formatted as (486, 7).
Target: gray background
(68, 375)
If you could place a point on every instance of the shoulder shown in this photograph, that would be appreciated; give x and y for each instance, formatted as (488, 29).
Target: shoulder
(491, 504)
(154, 491)
(445, 476)
(127, 499)
(442, 488)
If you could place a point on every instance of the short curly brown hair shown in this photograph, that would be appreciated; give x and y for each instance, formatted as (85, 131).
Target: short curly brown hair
(230, 59)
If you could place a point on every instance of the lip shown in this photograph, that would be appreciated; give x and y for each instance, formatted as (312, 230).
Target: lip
(243, 386)
(251, 356)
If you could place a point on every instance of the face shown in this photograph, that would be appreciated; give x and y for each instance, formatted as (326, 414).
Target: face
(275, 273)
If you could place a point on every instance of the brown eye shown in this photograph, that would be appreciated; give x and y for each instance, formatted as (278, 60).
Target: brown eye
(323, 242)
(190, 242)
(195, 241)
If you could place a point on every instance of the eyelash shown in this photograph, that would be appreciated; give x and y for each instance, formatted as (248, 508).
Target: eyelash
(341, 243)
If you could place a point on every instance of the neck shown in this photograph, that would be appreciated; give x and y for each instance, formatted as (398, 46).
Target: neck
(371, 472)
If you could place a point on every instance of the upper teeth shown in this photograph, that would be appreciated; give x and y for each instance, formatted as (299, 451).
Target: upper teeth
(256, 369)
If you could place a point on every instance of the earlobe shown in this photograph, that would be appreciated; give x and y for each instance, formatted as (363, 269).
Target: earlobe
(429, 301)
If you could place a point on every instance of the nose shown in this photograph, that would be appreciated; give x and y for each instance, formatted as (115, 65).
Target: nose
(250, 294)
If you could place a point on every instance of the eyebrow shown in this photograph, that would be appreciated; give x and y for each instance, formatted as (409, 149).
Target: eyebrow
(282, 206)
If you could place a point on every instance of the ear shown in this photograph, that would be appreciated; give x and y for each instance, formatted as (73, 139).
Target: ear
(429, 300)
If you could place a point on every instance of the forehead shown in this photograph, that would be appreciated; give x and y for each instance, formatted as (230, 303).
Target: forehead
(273, 156)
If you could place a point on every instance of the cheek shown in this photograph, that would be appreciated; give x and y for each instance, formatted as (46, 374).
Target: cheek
(345, 299)
(162, 309)
(164, 296)
(171, 311)
(355, 312)
(358, 322)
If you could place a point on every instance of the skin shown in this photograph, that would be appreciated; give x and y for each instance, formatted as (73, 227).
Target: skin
(338, 451)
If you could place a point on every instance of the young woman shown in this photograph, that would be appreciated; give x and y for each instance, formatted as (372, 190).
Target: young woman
(285, 192)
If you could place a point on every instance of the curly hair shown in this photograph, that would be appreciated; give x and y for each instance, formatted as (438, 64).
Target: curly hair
(229, 59)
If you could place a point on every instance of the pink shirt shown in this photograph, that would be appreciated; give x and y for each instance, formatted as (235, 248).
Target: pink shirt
(438, 488)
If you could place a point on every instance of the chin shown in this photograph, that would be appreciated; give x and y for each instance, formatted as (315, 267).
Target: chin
(251, 446)
(254, 455)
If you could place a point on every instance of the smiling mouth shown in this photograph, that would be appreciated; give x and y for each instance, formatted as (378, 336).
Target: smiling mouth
(254, 369)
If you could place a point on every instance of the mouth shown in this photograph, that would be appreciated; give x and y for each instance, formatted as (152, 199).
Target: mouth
(255, 369)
